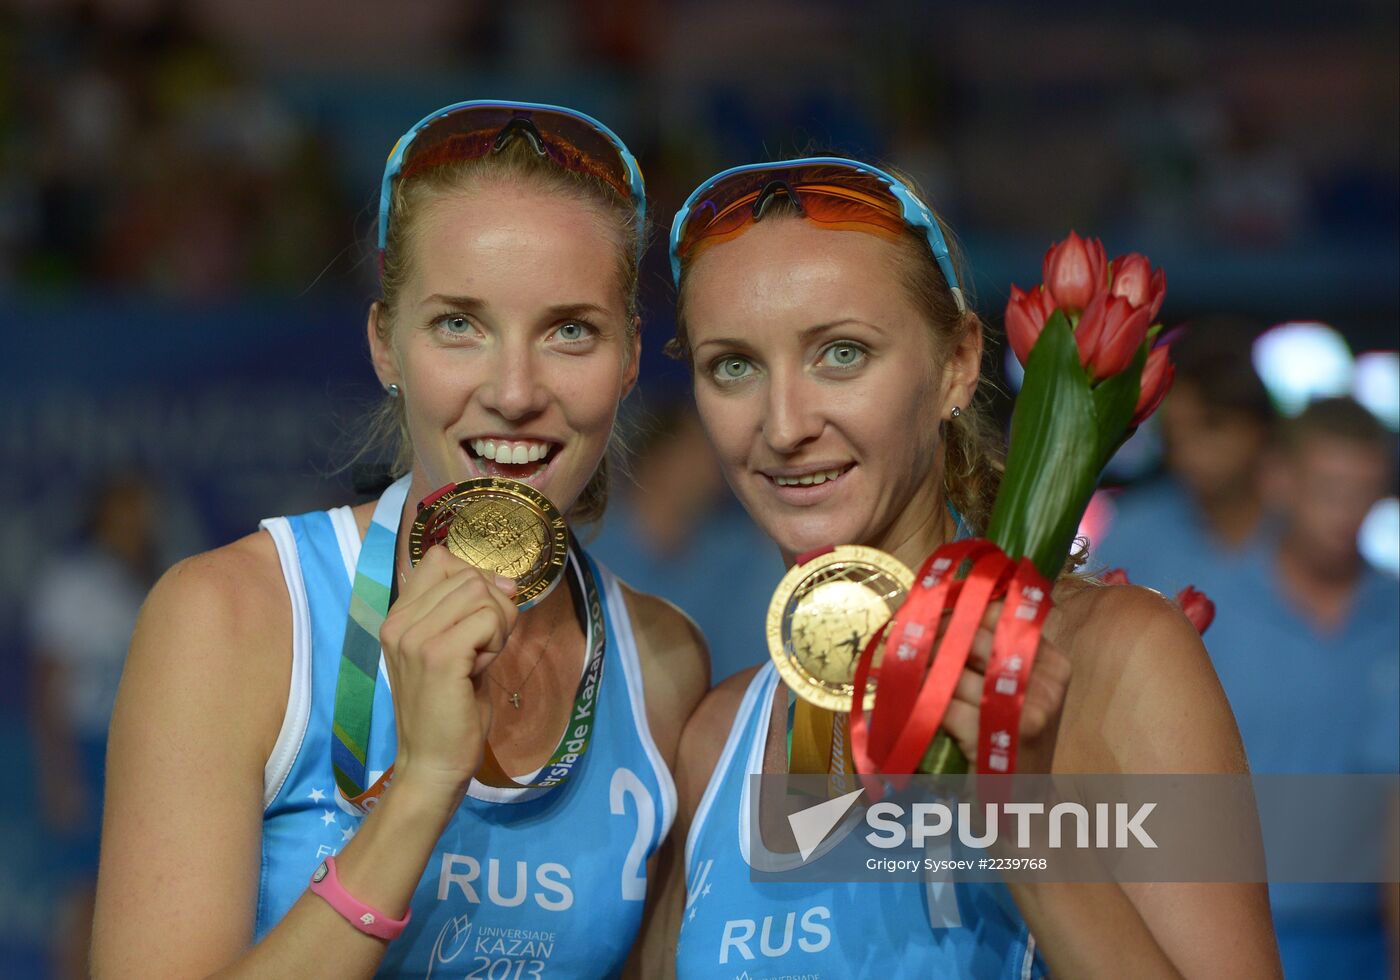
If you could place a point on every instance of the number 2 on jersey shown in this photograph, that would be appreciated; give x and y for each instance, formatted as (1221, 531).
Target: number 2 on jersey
(626, 783)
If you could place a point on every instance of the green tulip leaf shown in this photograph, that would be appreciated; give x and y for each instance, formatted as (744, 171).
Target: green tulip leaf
(1054, 459)
(1115, 400)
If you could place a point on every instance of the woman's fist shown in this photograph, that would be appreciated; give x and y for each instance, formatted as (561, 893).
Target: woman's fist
(450, 621)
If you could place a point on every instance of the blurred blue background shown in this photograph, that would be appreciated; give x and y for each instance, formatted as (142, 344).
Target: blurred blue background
(186, 196)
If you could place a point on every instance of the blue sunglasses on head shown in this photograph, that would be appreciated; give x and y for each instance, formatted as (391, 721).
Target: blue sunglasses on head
(469, 130)
(833, 191)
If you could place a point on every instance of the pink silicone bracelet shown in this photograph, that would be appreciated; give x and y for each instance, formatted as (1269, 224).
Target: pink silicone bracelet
(326, 883)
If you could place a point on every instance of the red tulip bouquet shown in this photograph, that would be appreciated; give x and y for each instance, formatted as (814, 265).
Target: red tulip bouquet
(1094, 372)
(1085, 337)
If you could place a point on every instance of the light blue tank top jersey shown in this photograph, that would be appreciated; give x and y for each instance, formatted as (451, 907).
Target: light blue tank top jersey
(734, 927)
(522, 884)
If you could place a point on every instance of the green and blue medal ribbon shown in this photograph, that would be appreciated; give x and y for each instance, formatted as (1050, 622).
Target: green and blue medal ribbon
(360, 655)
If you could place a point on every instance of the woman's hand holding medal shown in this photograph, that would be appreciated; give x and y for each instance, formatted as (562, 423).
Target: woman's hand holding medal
(953, 656)
(450, 621)
(1040, 712)
(503, 549)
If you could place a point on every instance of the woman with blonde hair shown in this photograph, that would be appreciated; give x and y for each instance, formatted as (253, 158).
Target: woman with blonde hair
(273, 684)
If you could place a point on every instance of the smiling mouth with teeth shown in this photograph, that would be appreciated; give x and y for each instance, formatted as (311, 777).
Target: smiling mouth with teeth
(809, 479)
(514, 458)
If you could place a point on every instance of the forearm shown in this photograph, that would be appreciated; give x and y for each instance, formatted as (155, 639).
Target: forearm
(1090, 930)
(381, 866)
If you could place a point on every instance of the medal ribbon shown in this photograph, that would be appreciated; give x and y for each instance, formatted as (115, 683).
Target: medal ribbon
(910, 641)
(818, 739)
(359, 654)
(910, 704)
(914, 730)
(359, 669)
(931, 588)
(991, 571)
(1014, 645)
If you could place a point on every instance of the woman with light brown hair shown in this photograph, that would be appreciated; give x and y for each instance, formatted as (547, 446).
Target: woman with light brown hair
(836, 365)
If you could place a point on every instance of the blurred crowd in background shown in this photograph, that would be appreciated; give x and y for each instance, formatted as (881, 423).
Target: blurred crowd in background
(202, 149)
(186, 206)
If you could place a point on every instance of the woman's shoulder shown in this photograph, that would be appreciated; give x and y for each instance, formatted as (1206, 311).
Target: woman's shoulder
(666, 635)
(1143, 689)
(1106, 626)
(217, 627)
(705, 735)
(236, 586)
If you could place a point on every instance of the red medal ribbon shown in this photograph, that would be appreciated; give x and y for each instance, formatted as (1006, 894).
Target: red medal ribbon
(990, 572)
(911, 697)
(1014, 646)
(910, 641)
(934, 579)
(928, 594)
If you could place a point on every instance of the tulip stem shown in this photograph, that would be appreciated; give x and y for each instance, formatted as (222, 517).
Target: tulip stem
(1064, 429)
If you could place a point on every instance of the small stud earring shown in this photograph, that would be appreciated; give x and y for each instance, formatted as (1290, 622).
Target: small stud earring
(956, 412)
(392, 389)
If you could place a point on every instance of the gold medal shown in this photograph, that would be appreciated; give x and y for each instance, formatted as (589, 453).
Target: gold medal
(823, 614)
(504, 527)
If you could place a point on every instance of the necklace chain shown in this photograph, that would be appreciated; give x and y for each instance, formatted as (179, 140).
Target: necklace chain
(514, 696)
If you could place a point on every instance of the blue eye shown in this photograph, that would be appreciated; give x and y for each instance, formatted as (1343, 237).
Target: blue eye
(843, 354)
(454, 324)
(574, 331)
(731, 368)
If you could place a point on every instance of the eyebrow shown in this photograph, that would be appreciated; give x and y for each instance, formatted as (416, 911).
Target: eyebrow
(738, 343)
(821, 328)
(807, 334)
(460, 302)
(557, 311)
(565, 310)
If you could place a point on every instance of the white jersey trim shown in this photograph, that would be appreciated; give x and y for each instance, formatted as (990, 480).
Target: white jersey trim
(736, 735)
(294, 720)
(347, 536)
(632, 670)
(758, 856)
(1028, 964)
